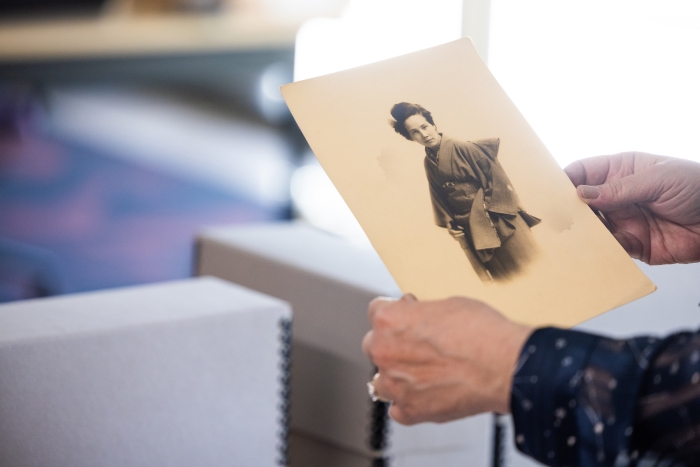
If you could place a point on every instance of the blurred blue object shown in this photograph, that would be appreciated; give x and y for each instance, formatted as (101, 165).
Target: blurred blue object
(74, 218)
(27, 271)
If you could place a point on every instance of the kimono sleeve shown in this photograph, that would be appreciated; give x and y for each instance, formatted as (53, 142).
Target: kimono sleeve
(441, 212)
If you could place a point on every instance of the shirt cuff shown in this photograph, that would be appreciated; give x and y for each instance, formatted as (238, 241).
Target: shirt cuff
(574, 396)
(543, 397)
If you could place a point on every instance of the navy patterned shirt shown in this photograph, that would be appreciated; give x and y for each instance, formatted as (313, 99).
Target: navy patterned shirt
(584, 400)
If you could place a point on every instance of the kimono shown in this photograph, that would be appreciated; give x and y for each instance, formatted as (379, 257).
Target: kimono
(473, 197)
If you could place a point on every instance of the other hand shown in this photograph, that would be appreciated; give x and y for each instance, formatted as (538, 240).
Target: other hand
(442, 360)
(652, 203)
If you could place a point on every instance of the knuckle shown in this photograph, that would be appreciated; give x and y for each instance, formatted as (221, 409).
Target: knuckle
(396, 412)
(403, 414)
(392, 386)
(576, 173)
(376, 302)
(409, 297)
(374, 348)
(367, 343)
(383, 319)
(371, 351)
(462, 303)
(615, 189)
(380, 356)
(373, 307)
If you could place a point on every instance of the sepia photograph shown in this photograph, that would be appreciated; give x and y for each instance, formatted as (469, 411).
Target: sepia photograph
(456, 192)
(472, 197)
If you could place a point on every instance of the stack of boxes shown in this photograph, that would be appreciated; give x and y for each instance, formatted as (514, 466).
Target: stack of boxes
(329, 283)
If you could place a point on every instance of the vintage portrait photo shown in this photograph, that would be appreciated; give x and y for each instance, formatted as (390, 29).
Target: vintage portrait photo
(456, 192)
(472, 197)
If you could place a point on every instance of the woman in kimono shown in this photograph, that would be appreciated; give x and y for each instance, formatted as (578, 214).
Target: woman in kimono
(472, 196)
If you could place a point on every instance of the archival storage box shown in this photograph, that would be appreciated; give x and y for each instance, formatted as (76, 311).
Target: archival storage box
(329, 282)
(184, 373)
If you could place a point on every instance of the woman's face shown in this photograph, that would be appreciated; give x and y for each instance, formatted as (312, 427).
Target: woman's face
(422, 132)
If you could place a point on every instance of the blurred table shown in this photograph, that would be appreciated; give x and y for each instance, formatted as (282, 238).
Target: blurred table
(119, 35)
(222, 53)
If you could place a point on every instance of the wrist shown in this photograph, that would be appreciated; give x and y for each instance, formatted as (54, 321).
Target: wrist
(511, 347)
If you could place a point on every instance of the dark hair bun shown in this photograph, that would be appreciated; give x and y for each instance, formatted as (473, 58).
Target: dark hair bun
(402, 111)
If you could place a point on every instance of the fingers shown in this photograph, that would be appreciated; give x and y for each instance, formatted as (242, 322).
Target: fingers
(591, 171)
(409, 410)
(384, 388)
(376, 305)
(576, 172)
(622, 193)
(381, 323)
(401, 415)
(402, 410)
(380, 302)
(367, 342)
(375, 343)
(615, 182)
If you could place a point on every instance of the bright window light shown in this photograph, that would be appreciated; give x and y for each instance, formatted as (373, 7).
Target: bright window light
(602, 76)
(373, 30)
(319, 203)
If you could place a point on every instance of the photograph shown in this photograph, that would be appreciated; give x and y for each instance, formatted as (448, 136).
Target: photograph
(456, 192)
(472, 197)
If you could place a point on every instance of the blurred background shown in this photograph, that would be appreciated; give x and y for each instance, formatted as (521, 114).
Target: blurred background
(126, 126)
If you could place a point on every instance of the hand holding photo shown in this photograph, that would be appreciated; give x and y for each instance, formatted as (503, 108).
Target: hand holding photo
(456, 192)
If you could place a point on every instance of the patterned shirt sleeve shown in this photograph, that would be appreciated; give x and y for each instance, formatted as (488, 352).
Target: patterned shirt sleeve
(584, 400)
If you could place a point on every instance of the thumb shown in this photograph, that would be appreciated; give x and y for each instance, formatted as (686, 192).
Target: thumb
(619, 194)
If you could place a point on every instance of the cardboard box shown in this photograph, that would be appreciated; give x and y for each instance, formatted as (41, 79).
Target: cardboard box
(316, 265)
(179, 374)
(329, 283)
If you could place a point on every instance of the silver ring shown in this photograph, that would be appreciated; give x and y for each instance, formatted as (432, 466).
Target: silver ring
(373, 390)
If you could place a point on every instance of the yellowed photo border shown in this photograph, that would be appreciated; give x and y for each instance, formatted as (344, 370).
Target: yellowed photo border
(577, 269)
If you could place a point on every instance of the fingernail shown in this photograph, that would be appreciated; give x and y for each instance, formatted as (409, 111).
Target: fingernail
(589, 192)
